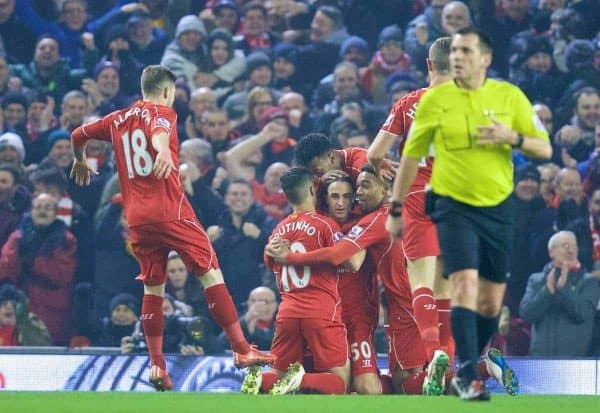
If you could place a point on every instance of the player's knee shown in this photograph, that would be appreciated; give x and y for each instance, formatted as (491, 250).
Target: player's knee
(464, 286)
(211, 277)
(487, 307)
(158, 290)
(367, 384)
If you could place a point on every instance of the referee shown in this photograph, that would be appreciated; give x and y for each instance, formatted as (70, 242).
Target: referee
(473, 124)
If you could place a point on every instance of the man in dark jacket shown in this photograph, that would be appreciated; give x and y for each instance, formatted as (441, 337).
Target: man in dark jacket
(560, 302)
(587, 231)
(240, 238)
(14, 200)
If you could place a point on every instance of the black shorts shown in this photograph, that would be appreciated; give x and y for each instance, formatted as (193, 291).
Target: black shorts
(473, 237)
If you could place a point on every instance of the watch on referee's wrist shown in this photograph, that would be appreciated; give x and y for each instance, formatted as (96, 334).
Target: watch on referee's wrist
(396, 210)
(519, 142)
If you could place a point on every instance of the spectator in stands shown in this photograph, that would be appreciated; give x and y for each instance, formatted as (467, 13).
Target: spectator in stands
(259, 73)
(281, 148)
(300, 121)
(148, 43)
(186, 54)
(73, 19)
(224, 65)
(40, 122)
(270, 195)
(198, 169)
(120, 324)
(327, 33)
(201, 99)
(19, 49)
(19, 327)
(239, 239)
(388, 59)
(587, 232)
(356, 50)
(115, 263)
(514, 17)
(117, 51)
(14, 200)
(424, 29)
(560, 302)
(12, 149)
(185, 288)
(14, 112)
(48, 73)
(255, 33)
(227, 16)
(544, 113)
(527, 203)
(73, 109)
(259, 99)
(548, 174)
(39, 257)
(52, 181)
(536, 74)
(287, 74)
(217, 131)
(258, 323)
(345, 87)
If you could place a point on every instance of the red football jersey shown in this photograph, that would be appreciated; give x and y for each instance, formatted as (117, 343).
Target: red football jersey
(307, 291)
(353, 159)
(370, 234)
(359, 290)
(146, 198)
(398, 123)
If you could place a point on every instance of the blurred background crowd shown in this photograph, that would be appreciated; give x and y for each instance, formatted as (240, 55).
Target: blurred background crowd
(254, 77)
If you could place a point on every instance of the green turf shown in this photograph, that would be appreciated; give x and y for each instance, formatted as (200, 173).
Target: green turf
(81, 402)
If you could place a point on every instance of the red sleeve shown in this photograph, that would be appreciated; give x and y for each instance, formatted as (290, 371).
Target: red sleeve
(395, 121)
(98, 129)
(164, 121)
(368, 231)
(340, 252)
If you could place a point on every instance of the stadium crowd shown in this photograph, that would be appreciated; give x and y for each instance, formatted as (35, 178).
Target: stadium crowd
(253, 78)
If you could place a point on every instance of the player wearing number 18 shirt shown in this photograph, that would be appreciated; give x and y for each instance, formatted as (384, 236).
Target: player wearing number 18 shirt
(144, 138)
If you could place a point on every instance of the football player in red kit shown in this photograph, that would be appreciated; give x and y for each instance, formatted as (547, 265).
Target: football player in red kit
(310, 314)
(144, 138)
(431, 295)
(407, 352)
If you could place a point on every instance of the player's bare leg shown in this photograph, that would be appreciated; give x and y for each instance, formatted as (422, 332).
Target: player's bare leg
(153, 325)
(367, 383)
(225, 314)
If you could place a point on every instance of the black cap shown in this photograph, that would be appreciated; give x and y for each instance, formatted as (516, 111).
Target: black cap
(527, 171)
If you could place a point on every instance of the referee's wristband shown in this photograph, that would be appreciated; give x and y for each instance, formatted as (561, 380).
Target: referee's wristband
(519, 143)
(396, 210)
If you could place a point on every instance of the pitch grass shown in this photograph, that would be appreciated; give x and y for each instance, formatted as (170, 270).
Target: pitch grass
(84, 402)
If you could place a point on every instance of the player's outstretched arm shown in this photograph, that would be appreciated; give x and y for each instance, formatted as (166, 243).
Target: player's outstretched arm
(405, 176)
(356, 261)
(335, 255)
(377, 152)
(163, 166)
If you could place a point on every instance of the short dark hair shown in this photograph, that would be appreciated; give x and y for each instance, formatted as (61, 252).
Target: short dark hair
(334, 14)
(295, 183)
(485, 43)
(50, 176)
(311, 146)
(240, 181)
(13, 170)
(154, 78)
(368, 168)
(254, 5)
(439, 55)
(586, 90)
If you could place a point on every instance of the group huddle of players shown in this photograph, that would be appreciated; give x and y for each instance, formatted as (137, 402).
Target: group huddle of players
(330, 256)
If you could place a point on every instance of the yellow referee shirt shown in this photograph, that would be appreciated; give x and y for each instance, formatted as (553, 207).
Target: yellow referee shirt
(448, 117)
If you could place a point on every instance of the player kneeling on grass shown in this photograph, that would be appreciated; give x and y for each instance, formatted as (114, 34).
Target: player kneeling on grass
(310, 313)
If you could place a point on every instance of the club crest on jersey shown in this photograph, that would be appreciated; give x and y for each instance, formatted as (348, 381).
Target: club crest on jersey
(355, 231)
(163, 122)
(338, 236)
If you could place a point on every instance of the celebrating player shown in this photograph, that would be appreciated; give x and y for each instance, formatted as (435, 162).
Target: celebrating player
(309, 314)
(420, 243)
(160, 218)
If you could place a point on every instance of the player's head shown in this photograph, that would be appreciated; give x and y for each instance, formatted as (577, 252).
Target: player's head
(470, 54)
(438, 60)
(315, 153)
(371, 190)
(336, 194)
(298, 186)
(158, 84)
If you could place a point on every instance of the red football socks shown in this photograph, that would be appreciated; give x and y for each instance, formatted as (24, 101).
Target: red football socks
(268, 381)
(426, 316)
(153, 324)
(387, 386)
(414, 384)
(446, 340)
(223, 311)
(324, 383)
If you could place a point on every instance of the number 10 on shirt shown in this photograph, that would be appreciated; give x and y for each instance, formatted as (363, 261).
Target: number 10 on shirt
(288, 272)
(141, 162)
